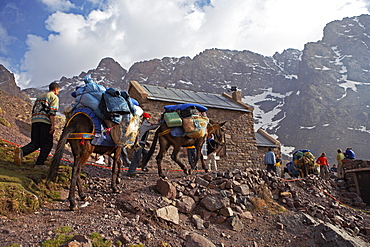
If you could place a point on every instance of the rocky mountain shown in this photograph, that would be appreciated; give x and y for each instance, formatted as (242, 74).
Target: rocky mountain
(329, 106)
(313, 99)
(8, 84)
(109, 73)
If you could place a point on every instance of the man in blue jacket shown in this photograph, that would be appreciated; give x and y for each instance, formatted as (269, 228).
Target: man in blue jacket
(270, 160)
(349, 154)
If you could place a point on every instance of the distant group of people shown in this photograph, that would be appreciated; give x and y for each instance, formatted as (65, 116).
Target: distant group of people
(272, 163)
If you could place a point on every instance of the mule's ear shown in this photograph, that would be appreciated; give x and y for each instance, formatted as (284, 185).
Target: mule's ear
(223, 123)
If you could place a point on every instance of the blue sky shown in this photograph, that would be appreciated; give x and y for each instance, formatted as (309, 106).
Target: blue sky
(43, 40)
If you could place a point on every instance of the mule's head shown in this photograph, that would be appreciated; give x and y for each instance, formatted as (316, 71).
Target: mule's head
(217, 131)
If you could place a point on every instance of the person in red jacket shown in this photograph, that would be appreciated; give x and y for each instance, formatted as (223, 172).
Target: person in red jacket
(324, 165)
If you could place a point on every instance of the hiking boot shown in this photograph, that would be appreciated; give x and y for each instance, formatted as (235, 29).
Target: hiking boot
(18, 155)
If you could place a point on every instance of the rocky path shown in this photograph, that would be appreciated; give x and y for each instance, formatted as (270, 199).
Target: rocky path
(217, 209)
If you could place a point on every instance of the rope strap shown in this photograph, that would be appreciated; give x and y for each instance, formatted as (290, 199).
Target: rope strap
(107, 130)
(165, 132)
(73, 136)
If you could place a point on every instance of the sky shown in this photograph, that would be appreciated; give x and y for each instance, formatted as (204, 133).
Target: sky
(43, 40)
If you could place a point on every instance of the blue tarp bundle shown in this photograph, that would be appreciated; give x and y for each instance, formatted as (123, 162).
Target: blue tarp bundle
(95, 119)
(100, 138)
(177, 131)
(181, 107)
(89, 95)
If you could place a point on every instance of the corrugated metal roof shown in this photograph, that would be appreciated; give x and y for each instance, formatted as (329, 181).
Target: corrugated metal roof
(180, 96)
(263, 142)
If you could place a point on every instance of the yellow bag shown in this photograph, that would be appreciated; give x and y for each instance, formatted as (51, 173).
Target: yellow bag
(195, 126)
(123, 135)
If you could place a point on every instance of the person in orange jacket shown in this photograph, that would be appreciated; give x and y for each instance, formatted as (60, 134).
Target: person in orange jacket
(324, 165)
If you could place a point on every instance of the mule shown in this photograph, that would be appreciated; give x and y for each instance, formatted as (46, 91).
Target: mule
(163, 134)
(82, 150)
(305, 166)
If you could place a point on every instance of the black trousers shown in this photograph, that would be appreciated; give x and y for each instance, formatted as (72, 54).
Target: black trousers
(40, 138)
(191, 155)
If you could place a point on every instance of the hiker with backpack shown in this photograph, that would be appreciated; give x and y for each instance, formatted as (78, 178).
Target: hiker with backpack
(43, 126)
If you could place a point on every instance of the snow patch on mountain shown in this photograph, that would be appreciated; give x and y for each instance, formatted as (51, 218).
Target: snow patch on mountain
(266, 118)
(351, 85)
(361, 129)
(307, 127)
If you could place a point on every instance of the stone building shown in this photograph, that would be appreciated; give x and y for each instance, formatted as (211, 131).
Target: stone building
(240, 150)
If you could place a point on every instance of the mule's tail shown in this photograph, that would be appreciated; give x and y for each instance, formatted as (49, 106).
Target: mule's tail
(147, 157)
(55, 162)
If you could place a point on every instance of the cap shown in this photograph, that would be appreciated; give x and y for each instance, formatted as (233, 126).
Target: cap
(146, 115)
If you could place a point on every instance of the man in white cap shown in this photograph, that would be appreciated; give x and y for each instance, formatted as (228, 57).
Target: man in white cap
(145, 127)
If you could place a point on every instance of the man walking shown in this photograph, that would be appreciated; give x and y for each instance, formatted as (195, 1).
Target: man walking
(145, 127)
(43, 126)
(340, 158)
(192, 154)
(270, 160)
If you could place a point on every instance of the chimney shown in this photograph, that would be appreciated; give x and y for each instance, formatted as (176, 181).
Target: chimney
(236, 95)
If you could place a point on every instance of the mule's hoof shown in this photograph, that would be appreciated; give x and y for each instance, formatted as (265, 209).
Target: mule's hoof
(115, 190)
(73, 208)
(118, 180)
(188, 171)
(206, 170)
(85, 198)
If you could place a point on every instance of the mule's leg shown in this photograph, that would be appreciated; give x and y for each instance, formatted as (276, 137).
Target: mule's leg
(119, 170)
(72, 188)
(79, 162)
(305, 170)
(200, 155)
(114, 182)
(75, 182)
(174, 157)
(162, 151)
(88, 150)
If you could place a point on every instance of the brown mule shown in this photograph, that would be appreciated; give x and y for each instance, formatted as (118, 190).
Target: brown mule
(163, 133)
(82, 149)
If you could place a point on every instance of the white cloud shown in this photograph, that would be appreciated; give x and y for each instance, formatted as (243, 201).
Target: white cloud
(131, 31)
(5, 40)
(55, 5)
